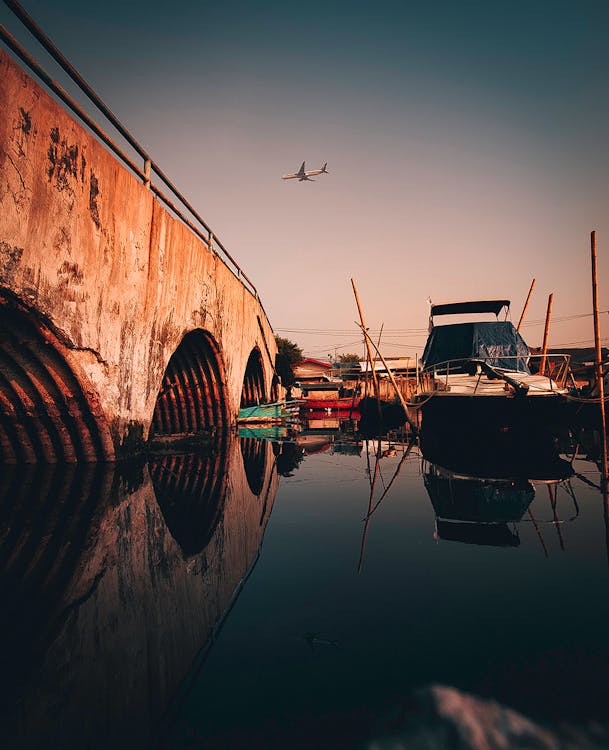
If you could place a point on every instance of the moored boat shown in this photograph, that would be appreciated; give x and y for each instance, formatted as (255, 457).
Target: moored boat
(480, 375)
(279, 411)
(334, 404)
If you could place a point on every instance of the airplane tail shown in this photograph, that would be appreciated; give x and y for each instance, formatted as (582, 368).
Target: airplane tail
(323, 169)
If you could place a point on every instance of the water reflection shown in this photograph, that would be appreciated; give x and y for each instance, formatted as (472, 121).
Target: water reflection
(254, 454)
(46, 513)
(116, 584)
(289, 455)
(112, 583)
(191, 490)
(477, 511)
(477, 501)
(497, 455)
(380, 450)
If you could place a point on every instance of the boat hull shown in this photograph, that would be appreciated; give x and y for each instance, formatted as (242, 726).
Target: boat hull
(448, 412)
(278, 412)
(495, 437)
(334, 404)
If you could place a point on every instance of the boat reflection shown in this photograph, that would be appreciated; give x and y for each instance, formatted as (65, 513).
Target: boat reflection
(477, 511)
(482, 511)
(112, 584)
(500, 455)
(481, 491)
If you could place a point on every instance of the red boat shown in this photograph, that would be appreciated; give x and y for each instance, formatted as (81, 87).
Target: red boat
(334, 404)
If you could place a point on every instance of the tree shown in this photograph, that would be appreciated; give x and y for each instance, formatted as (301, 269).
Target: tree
(348, 366)
(351, 359)
(289, 355)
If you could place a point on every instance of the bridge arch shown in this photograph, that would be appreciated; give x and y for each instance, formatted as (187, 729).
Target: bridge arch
(253, 380)
(193, 393)
(47, 413)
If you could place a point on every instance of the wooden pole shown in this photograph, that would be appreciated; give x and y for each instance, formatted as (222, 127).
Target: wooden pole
(599, 361)
(409, 419)
(526, 304)
(367, 340)
(544, 348)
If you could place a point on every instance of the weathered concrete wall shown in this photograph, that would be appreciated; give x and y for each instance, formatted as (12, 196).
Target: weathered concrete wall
(119, 280)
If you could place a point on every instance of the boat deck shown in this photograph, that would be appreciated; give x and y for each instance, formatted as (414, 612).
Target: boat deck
(480, 385)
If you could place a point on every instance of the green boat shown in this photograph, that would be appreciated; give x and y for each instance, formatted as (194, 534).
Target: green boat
(275, 431)
(280, 411)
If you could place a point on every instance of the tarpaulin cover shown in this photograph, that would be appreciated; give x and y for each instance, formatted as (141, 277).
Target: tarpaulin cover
(498, 343)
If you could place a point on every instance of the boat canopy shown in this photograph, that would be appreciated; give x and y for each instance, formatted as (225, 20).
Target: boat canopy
(473, 306)
(498, 343)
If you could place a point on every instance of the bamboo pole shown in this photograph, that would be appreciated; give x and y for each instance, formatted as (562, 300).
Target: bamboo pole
(599, 360)
(526, 304)
(367, 340)
(544, 348)
(409, 419)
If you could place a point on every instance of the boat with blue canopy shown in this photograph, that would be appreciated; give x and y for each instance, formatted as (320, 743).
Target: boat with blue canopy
(480, 373)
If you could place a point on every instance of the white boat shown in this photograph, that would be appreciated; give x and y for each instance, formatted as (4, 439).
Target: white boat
(480, 374)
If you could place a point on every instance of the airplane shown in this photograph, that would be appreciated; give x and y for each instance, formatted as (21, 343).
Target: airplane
(301, 175)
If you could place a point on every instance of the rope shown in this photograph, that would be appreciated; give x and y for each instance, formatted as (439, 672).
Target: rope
(584, 400)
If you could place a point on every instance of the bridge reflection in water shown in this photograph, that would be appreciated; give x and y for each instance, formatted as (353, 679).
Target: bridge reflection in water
(113, 582)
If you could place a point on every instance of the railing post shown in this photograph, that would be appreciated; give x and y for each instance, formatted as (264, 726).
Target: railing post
(544, 348)
(147, 168)
(210, 242)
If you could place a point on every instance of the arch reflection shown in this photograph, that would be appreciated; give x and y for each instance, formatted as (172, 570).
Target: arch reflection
(110, 591)
(47, 514)
(191, 491)
(254, 452)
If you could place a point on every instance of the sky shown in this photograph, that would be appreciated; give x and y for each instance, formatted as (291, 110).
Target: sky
(467, 149)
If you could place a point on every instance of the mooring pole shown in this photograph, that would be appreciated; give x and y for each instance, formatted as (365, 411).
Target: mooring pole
(546, 332)
(366, 339)
(599, 361)
(409, 419)
(526, 304)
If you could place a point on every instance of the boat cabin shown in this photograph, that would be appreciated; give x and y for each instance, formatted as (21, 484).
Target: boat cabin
(457, 344)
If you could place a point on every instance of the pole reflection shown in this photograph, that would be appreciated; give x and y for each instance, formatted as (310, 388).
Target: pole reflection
(113, 582)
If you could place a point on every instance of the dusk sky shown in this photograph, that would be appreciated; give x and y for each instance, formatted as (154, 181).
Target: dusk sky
(467, 148)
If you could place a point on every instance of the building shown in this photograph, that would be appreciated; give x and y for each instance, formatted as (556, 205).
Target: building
(312, 371)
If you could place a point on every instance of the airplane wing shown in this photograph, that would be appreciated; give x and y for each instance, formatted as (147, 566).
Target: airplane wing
(301, 171)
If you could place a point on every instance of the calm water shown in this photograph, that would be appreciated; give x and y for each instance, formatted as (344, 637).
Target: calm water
(239, 599)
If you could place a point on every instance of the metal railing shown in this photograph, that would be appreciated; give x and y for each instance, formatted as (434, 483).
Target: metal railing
(555, 367)
(149, 165)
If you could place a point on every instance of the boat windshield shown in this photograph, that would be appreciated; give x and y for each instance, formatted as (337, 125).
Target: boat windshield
(498, 343)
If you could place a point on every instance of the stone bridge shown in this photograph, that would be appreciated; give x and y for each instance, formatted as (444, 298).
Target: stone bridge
(117, 322)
